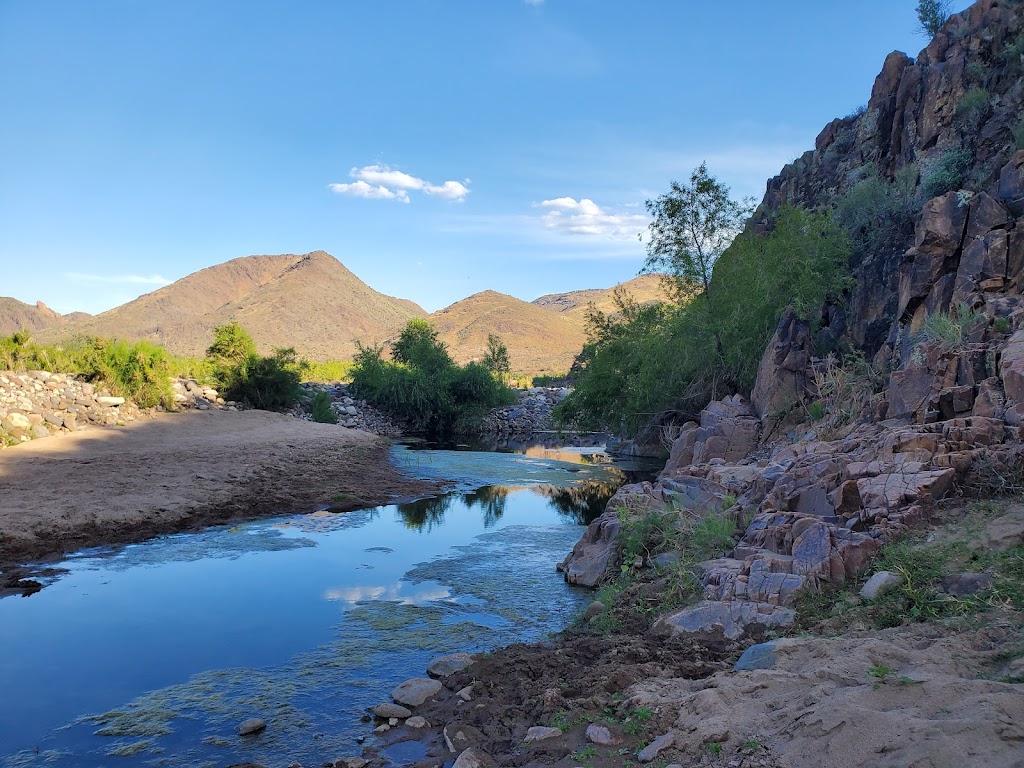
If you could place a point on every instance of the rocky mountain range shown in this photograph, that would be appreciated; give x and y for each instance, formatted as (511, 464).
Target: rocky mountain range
(17, 316)
(313, 303)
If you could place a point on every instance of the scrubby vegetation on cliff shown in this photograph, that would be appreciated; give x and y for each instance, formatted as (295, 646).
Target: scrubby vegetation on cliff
(677, 356)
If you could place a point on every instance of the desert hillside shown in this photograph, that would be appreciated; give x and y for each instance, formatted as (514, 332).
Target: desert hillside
(538, 340)
(18, 316)
(311, 302)
(575, 304)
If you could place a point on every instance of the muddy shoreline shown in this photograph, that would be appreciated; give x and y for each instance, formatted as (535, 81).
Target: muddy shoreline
(183, 472)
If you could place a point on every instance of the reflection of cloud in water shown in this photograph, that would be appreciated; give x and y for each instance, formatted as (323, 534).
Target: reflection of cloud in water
(400, 592)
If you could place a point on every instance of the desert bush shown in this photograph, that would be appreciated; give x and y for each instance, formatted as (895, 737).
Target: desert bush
(945, 173)
(140, 371)
(327, 371)
(876, 213)
(948, 330)
(242, 374)
(846, 389)
(424, 387)
(973, 108)
(321, 409)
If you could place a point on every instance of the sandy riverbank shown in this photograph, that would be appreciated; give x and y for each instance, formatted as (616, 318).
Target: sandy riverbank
(182, 471)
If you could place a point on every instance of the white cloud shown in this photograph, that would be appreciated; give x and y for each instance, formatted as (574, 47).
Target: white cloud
(368, 191)
(450, 190)
(381, 182)
(569, 216)
(82, 277)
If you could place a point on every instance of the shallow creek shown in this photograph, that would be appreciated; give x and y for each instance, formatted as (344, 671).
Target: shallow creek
(151, 654)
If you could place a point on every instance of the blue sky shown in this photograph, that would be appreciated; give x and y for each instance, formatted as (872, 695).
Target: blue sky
(438, 148)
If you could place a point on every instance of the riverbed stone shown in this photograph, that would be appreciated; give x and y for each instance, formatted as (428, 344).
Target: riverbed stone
(599, 734)
(542, 733)
(458, 737)
(450, 664)
(759, 656)
(879, 584)
(417, 722)
(251, 727)
(386, 710)
(413, 692)
(474, 758)
(466, 694)
(651, 751)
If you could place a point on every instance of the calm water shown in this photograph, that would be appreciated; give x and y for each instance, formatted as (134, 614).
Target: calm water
(151, 654)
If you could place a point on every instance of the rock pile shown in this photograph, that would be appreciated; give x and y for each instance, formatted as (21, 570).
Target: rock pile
(353, 412)
(189, 393)
(819, 509)
(38, 404)
(531, 413)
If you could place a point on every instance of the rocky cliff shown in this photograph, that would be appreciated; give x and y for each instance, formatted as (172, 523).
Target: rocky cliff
(827, 464)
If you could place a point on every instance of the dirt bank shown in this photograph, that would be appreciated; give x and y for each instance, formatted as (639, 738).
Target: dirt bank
(178, 472)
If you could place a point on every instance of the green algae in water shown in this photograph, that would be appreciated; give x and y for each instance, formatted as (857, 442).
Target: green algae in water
(134, 748)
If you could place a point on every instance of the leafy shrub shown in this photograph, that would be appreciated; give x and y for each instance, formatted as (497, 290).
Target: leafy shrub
(973, 108)
(877, 213)
(321, 409)
(327, 371)
(244, 375)
(978, 72)
(424, 386)
(945, 173)
(140, 371)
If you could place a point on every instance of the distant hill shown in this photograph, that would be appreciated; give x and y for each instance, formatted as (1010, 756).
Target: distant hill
(575, 304)
(310, 302)
(538, 340)
(17, 316)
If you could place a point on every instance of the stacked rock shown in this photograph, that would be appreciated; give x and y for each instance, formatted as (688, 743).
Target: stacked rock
(532, 412)
(189, 393)
(37, 404)
(353, 412)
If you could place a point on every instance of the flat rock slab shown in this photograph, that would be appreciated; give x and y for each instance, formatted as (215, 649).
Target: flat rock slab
(412, 693)
(716, 621)
(387, 711)
(542, 733)
(449, 665)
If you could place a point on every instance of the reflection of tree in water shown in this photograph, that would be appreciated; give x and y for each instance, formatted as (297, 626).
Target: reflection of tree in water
(425, 513)
(582, 503)
(492, 499)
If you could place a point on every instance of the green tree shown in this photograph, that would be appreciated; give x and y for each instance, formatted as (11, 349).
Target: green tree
(692, 226)
(496, 358)
(931, 15)
(231, 344)
(418, 346)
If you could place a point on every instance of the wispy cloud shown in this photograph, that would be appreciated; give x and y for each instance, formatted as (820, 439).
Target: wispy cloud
(381, 182)
(569, 216)
(83, 277)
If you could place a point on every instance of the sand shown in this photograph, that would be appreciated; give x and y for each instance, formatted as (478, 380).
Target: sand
(182, 471)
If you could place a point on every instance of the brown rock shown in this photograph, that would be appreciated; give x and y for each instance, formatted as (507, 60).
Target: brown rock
(782, 374)
(1011, 184)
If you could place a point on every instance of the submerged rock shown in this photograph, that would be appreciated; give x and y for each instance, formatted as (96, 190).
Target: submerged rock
(251, 727)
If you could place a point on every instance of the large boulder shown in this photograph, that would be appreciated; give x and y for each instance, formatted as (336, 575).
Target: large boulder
(596, 553)
(782, 374)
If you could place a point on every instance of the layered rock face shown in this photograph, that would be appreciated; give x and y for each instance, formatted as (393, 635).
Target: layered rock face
(818, 506)
(916, 119)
